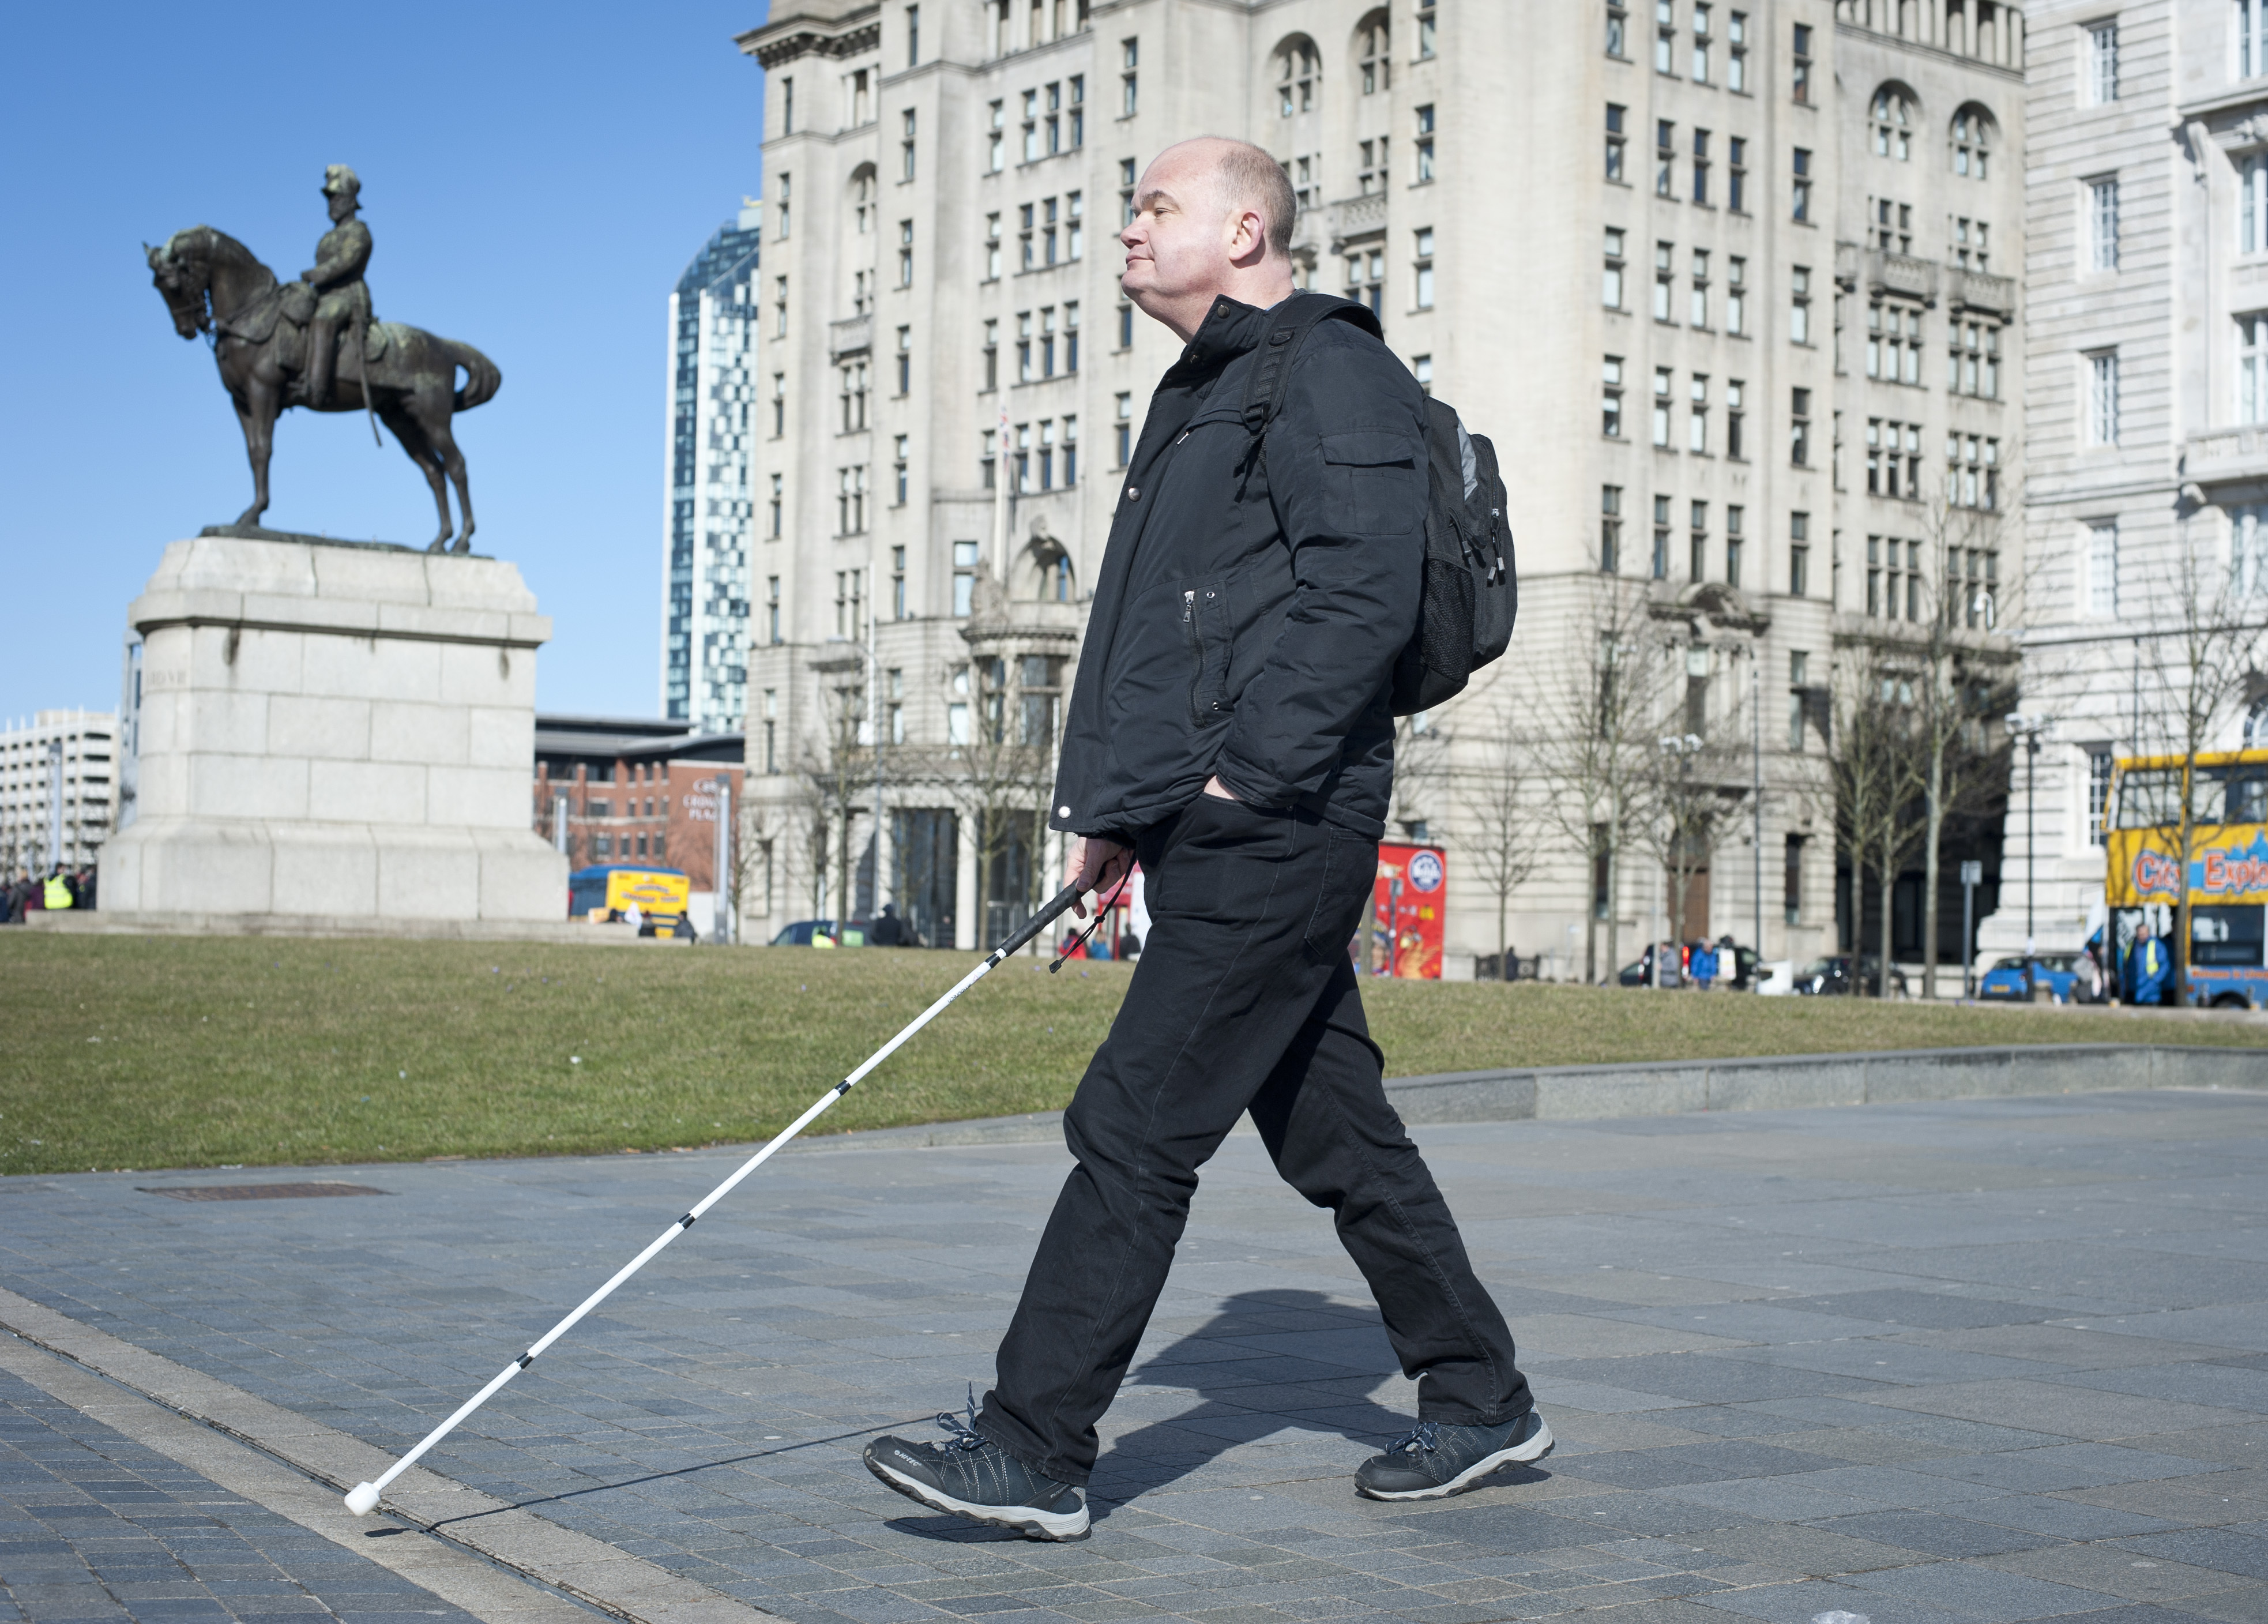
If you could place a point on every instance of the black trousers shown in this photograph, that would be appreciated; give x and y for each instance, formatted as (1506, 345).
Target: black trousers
(1243, 999)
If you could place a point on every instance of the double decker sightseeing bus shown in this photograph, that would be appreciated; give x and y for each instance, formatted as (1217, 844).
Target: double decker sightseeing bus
(2228, 878)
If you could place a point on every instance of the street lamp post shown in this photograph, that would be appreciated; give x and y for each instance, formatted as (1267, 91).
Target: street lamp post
(2030, 729)
(1684, 748)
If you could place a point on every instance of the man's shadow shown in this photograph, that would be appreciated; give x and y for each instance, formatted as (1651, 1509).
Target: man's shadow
(1268, 1360)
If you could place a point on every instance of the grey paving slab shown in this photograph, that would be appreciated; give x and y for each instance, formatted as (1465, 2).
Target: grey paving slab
(1892, 1359)
(95, 1525)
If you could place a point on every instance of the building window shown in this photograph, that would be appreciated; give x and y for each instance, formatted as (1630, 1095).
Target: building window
(1022, 467)
(1697, 415)
(2103, 398)
(1799, 305)
(1071, 336)
(1024, 374)
(1790, 883)
(1611, 528)
(1701, 167)
(1664, 277)
(1611, 397)
(771, 724)
(1611, 283)
(964, 579)
(1972, 471)
(1700, 42)
(898, 587)
(1051, 234)
(1123, 430)
(1894, 342)
(1798, 443)
(1071, 451)
(854, 396)
(1031, 126)
(787, 106)
(1734, 517)
(1048, 341)
(1129, 53)
(1665, 36)
(906, 145)
(1736, 175)
(1893, 459)
(1973, 365)
(1891, 120)
(777, 504)
(1078, 115)
(1661, 538)
(772, 609)
(1425, 171)
(1614, 137)
(905, 360)
(1025, 215)
(1665, 157)
(898, 473)
(779, 306)
(996, 155)
(992, 357)
(1661, 389)
(1075, 225)
(1799, 83)
(1972, 135)
(992, 248)
(2103, 569)
(1800, 188)
(1618, 31)
(2251, 19)
(1736, 296)
(2102, 224)
(1697, 314)
(1424, 267)
(905, 253)
(2103, 64)
(1971, 243)
(2247, 559)
(2252, 201)
(1421, 368)
(1736, 53)
(779, 404)
(1126, 191)
(1799, 564)
(1125, 326)
(2252, 367)
(1425, 15)
(1697, 546)
(782, 194)
(851, 500)
(1735, 420)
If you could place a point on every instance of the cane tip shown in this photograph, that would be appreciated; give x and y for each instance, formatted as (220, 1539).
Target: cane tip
(363, 1499)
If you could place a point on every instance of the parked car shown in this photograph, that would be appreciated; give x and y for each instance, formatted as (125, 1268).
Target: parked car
(2064, 974)
(1775, 979)
(1833, 976)
(1736, 969)
(811, 933)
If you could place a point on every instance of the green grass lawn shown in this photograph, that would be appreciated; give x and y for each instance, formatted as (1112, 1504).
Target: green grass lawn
(125, 1052)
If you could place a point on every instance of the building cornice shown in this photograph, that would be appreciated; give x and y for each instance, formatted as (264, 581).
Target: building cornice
(2014, 76)
(833, 28)
(2255, 95)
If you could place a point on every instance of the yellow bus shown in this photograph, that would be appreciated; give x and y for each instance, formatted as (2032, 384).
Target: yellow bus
(606, 893)
(2228, 878)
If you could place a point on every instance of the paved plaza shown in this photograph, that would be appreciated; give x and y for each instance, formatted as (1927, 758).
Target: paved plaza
(1987, 1360)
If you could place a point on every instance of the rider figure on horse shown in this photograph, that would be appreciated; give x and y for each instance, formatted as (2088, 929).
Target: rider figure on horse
(342, 298)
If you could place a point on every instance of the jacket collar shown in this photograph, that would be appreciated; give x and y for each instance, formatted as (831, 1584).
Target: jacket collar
(1230, 330)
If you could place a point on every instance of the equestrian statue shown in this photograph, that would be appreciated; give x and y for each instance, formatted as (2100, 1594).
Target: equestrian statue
(314, 343)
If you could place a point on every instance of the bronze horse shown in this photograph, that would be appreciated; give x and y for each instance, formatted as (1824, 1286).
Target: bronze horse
(213, 284)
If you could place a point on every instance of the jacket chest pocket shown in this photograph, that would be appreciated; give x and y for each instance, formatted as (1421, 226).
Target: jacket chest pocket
(1206, 634)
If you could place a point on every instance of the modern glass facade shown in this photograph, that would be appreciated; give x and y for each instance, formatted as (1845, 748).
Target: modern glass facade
(708, 521)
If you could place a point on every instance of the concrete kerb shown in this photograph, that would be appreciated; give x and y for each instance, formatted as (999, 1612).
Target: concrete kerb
(593, 1572)
(1779, 1083)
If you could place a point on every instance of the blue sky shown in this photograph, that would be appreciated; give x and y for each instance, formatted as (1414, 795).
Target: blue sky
(535, 179)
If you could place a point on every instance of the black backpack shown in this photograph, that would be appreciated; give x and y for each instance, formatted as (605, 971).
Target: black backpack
(1469, 596)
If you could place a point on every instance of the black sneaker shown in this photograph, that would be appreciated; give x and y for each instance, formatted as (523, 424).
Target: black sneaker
(973, 1477)
(1439, 1459)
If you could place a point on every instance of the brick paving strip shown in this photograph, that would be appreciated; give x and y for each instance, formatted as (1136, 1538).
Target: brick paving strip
(1935, 1363)
(200, 1420)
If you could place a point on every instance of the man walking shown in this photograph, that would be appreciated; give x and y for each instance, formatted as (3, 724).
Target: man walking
(1230, 728)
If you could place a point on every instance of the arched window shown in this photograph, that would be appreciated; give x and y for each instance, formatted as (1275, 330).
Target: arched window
(862, 198)
(1973, 133)
(1892, 118)
(1373, 46)
(1298, 68)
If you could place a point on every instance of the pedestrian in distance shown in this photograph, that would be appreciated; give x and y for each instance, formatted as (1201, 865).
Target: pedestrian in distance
(1704, 966)
(1232, 729)
(888, 930)
(2151, 965)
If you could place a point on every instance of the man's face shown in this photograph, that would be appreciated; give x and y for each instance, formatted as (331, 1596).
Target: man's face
(342, 204)
(1177, 247)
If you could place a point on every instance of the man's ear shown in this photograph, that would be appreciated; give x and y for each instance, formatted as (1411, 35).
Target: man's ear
(1247, 238)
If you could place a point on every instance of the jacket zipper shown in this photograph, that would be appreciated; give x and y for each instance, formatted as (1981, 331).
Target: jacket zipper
(1196, 645)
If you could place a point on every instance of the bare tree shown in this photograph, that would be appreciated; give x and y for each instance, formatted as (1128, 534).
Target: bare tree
(1692, 783)
(1871, 764)
(1497, 797)
(1596, 741)
(838, 771)
(2205, 658)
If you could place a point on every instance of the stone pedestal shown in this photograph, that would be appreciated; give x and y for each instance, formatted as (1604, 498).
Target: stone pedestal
(334, 731)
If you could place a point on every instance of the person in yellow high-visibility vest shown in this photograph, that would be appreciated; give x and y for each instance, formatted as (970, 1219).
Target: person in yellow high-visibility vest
(58, 892)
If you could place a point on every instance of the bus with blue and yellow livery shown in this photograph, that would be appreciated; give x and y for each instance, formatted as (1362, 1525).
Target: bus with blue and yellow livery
(605, 894)
(2226, 887)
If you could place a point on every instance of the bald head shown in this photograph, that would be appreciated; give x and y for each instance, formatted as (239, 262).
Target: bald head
(1213, 217)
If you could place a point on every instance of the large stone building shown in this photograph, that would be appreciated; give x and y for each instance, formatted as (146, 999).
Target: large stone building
(712, 368)
(1726, 283)
(2148, 274)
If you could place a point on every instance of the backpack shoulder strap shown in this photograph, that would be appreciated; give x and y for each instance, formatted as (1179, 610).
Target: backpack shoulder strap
(1289, 325)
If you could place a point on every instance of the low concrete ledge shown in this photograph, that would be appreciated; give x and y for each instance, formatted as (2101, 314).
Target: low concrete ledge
(1662, 1087)
(101, 922)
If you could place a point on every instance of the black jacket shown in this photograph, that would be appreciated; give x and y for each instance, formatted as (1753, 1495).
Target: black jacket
(1255, 589)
